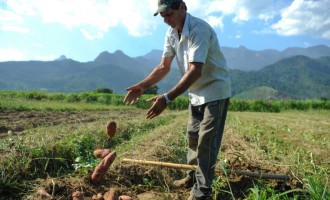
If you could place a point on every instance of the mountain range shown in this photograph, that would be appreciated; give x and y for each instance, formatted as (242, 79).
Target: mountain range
(295, 73)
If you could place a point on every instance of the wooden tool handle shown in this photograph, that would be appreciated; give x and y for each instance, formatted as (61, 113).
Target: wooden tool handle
(194, 167)
(161, 164)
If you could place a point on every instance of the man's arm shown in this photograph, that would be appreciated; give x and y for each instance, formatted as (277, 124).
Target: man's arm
(190, 77)
(135, 91)
(158, 73)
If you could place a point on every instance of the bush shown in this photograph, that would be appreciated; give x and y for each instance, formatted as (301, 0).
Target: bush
(88, 97)
(104, 90)
(72, 98)
(57, 97)
(36, 95)
(180, 103)
(264, 106)
(151, 90)
(238, 105)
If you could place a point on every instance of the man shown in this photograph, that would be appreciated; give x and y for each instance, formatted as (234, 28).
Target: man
(206, 78)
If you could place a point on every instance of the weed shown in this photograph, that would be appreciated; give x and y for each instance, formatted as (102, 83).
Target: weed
(263, 192)
(84, 146)
(315, 189)
(217, 187)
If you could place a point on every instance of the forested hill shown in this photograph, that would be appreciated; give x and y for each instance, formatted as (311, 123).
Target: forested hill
(296, 77)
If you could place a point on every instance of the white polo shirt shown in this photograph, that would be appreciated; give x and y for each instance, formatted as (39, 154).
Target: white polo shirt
(199, 43)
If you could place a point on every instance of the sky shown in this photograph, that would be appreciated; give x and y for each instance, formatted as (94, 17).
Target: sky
(82, 29)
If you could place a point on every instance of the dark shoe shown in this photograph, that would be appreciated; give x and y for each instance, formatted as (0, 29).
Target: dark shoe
(191, 197)
(186, 182)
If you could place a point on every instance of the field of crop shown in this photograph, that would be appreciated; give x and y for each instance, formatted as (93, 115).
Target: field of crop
(48, 144)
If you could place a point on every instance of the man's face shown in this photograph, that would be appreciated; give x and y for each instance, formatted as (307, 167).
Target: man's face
(173, 18)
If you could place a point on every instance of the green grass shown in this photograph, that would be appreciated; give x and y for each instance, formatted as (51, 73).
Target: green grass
(298, 141)
(19, 100)
(19, 104)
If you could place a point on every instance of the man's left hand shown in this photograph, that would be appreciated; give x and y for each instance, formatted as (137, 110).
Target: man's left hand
(157, 107)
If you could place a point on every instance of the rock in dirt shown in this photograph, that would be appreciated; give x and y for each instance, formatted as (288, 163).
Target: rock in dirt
(125, 197)
(77, 195)
(147, 196)
(99, 196)
(102, 168)
(43, 194)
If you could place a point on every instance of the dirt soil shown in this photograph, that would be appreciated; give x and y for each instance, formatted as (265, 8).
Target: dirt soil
(18, 121)
(144, 182)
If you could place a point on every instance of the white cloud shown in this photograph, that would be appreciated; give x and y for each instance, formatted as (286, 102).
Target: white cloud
(94, 18)
(242, 15)
(11, 54)
(89, 35)
(86, 15)
(304, 17)
(243, 10)
(10, 21)
(215, 21)
(46, 57)
(13, 28)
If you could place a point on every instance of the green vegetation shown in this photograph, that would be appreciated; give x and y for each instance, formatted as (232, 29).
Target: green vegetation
(261, 92)
(151, 90)
(17, 100)
(292, 139)
(297, 77)
(103, 90)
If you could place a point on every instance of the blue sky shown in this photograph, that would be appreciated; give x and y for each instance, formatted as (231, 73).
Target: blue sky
(82, 29)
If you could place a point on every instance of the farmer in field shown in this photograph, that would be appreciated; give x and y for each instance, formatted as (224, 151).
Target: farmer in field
(205, 77)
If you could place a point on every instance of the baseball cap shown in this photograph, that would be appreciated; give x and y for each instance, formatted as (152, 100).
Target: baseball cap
(163, 5)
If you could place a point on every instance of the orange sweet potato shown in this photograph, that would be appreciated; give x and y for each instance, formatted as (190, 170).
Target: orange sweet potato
(111, 194)
(101, 153)
(111, 129)
(102, 168)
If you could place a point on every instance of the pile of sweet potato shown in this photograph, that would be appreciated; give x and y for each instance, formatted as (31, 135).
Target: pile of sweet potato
(110, 195)
(101, 169)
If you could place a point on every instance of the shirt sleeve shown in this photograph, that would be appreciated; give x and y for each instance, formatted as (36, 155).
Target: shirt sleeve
(198, 45)
(169, 45)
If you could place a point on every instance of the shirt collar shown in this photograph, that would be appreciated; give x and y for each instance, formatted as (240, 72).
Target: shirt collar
(185, 30)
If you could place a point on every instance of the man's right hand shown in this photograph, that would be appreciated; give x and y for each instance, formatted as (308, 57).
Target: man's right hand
(133, 94)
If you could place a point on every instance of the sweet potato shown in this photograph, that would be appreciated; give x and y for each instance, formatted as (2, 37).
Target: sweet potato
(77, 195)
(101, 153)
(111, 129)
(111, 194)
(102, 168)
(125, 197)
(43, 194)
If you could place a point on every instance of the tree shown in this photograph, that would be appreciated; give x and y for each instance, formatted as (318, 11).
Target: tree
(151, 90)
(103, 90)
